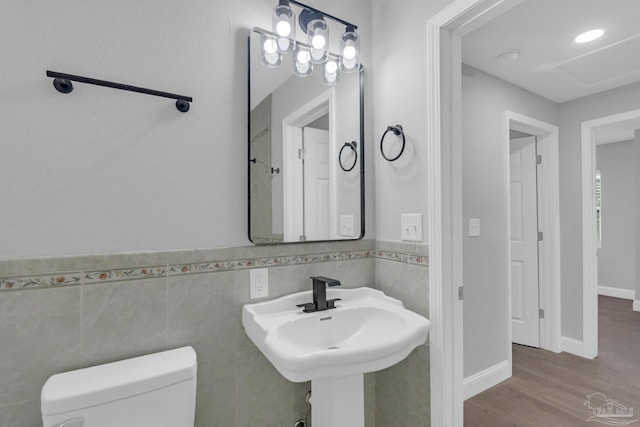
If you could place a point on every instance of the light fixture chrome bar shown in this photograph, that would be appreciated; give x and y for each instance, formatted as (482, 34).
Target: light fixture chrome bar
(341, 21)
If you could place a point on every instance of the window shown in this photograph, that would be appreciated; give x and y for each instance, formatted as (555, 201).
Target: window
(598, 209)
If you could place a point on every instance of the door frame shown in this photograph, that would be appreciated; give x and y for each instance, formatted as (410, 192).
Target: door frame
(444, 196)
(548, 183)
(589, 347)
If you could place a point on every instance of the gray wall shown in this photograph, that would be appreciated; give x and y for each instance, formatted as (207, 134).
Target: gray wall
(572, 114)
(485, 100)
(617, 256)
(102, 170)
(399, 47)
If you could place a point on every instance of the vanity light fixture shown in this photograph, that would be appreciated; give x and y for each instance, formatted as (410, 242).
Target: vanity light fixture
(284, 25)
(350, 50)
(589, 36)
(313, 22)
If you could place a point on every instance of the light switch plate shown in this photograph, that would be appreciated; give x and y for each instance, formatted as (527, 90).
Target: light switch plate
(411, 227)
(346, 225)
(474, 227)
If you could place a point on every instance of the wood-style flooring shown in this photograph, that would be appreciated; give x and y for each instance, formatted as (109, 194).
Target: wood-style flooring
(549, 389)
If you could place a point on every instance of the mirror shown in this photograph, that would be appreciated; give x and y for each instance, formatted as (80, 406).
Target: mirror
(306, 169)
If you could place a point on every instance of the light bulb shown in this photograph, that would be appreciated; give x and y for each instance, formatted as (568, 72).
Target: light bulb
(270, 46)
(303, 57)
(318, 41)
(270, 56)
(331, 67)
(283, 28)
(349, 52)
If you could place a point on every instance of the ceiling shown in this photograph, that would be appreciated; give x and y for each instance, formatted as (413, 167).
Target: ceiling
(549, 62)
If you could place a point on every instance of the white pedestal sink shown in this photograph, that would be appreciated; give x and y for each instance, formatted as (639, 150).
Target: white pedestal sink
(366, 332)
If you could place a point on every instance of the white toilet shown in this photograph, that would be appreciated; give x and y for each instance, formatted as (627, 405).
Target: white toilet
(156, 390)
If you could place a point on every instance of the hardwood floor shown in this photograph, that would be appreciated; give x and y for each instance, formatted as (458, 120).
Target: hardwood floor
(549, 389)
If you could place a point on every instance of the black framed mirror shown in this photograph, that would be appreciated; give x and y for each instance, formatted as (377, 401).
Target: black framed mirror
(305, 153)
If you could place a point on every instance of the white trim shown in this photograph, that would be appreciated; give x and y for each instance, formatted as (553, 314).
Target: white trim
(609, 291)
(572, 346)
(636, 305)
(589, 247)
(444, 196)
(549, 224)
(484, 380)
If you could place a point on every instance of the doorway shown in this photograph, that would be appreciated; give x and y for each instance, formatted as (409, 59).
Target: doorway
(589, 238)
(545, 234)
(444, 145)
(524, 237)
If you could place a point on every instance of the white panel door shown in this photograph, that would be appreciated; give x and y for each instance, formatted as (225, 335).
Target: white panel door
(524, 243)
(317, 184)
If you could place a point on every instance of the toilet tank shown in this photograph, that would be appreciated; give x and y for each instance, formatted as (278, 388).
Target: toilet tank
(156, 390)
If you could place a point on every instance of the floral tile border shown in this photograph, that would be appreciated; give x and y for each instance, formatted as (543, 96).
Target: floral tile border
(118, 275)
(41, 281)
(403, 257)
(199, 268)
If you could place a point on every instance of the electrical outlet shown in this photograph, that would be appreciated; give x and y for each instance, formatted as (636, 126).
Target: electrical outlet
(259, 283)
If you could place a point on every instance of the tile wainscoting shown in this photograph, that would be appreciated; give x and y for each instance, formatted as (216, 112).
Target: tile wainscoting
(63, 313)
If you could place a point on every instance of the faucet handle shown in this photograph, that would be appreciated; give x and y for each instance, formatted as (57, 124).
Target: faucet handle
(308, 307)
(331, 303)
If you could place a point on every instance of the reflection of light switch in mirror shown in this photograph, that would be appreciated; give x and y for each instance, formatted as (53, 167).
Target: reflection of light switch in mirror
(411, 227)
(346, 225)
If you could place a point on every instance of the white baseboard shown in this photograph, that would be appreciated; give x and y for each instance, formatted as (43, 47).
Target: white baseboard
(484, 380)
(636, 305)
(617, 292)
(573, 346)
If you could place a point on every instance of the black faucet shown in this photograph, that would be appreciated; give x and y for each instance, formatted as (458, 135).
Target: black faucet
(320, 302)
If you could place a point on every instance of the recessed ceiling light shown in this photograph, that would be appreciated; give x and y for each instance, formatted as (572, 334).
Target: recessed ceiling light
(589, 36)
(509, 56)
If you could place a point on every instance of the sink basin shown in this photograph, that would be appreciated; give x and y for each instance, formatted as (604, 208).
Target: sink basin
(366, 332)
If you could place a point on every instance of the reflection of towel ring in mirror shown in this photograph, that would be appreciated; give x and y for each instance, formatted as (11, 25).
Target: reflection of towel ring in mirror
(352, 145)
(397, 130)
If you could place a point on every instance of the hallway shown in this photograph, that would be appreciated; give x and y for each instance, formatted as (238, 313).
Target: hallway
(549, 389)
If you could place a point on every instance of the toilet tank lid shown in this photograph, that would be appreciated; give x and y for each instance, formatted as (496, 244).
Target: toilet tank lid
(87, 387)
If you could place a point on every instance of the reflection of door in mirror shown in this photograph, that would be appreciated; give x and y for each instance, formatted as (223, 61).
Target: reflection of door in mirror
(309, 195)
(317, 180)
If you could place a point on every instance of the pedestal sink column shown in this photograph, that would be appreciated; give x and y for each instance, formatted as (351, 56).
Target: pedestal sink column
(338, 402)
